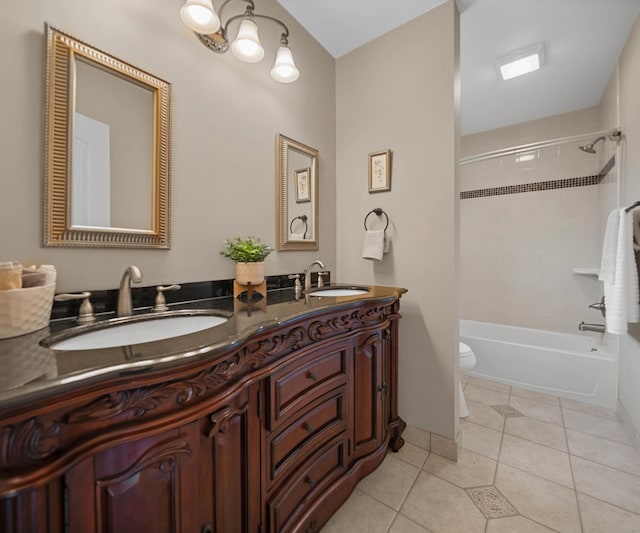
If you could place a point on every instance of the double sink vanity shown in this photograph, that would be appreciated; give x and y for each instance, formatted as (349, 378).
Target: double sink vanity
(216, 416)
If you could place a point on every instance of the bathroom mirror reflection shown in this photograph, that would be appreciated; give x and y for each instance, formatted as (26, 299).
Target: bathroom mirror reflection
(107, 150)
(297, 195)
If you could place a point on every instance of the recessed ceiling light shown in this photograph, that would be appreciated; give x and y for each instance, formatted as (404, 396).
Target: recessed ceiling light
(521, 62)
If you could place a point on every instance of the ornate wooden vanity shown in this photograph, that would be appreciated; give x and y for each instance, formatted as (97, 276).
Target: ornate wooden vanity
(269, 433)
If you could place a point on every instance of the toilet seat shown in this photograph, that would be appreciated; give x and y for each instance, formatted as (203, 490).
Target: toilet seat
(467, 357)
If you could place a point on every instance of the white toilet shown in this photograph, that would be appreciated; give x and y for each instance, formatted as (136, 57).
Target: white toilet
(467, 362)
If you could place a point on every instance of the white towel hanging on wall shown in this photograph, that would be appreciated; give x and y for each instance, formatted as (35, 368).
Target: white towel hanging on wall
(619, 273)
(373, 247)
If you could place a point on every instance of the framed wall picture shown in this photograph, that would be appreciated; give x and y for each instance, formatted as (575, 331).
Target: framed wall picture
(303, 189)
(380, 171)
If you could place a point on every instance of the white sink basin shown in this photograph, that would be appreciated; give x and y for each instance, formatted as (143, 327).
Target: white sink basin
(338, 292)
(153, 329)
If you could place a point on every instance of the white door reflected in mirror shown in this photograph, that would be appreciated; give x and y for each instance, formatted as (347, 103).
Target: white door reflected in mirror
(90, 173)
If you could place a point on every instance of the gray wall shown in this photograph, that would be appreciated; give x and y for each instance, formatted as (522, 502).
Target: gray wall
(400, 92)
(225, 118)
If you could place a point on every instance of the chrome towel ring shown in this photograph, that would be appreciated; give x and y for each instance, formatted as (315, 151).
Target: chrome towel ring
(379, 212)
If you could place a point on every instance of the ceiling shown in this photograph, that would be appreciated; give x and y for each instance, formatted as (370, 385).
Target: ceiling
(582, 38)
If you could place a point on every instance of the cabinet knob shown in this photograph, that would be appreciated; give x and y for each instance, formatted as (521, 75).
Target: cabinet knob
(310, 482)
(382, 387)
(312, 376)
(207, 528)
(308, 427)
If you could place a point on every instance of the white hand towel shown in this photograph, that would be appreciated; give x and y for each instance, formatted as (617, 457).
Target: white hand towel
(622, 296)
(297, 236)
(609, 246)
(373, 247)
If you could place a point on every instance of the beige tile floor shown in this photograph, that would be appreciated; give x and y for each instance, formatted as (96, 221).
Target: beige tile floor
(556, 466)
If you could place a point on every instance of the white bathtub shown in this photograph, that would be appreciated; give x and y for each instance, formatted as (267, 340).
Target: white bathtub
(569, 366)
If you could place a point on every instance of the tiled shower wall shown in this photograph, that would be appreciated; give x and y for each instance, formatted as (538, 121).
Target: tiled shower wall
(518, 249)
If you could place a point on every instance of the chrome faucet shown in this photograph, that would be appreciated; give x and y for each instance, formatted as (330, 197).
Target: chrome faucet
(307, 274)
(131, 275)
(597, 328)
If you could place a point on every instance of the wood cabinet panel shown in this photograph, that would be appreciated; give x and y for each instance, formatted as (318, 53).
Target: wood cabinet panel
(314, 476)
(298, 382)
(230, 465)
(136, 486)
(35, 511)
(313, 426)
(369, 389)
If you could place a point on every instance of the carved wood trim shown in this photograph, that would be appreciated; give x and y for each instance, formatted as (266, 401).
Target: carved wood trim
(319, 330)
(28, 443)
(221, 420)
(138, 402)
(163, 456)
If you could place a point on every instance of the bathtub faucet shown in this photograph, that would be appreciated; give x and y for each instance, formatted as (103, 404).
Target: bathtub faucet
(598, 328)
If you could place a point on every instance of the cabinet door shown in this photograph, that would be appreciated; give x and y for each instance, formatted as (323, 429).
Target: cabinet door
(143, 485)
(369, 393)
(230, 458)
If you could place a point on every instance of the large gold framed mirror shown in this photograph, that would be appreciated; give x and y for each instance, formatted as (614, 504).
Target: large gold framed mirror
(296, 195)
(107, 150)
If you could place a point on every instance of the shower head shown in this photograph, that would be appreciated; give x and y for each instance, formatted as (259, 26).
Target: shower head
(589, 147)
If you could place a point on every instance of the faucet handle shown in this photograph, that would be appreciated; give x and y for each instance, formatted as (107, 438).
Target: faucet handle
(85, 314)
(321, 276)
(297, 286)
(600, 306)
(161, 303)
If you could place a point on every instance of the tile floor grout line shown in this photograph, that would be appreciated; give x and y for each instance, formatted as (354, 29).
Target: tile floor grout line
(601, 437)
(397, 456)
(539, 477)
(604, 464)
(608, 503)
(539, 444)
(573, 478)
(374, 498)
(584, 412)
(420, 471)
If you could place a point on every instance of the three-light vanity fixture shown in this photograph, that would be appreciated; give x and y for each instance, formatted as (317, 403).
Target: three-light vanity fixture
(200, 17)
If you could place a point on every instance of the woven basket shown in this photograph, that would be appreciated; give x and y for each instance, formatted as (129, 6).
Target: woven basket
(25, 310)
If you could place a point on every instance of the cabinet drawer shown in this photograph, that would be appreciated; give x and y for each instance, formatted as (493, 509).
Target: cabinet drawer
(312, 477)
(296, 384)
(314, 426)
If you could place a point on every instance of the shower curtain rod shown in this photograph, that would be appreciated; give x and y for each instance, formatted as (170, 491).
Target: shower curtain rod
(513, 150)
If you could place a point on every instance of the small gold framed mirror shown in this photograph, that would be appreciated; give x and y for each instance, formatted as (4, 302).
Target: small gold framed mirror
(107, 150)
(296, 195)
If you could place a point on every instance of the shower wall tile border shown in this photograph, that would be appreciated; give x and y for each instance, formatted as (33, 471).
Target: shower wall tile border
(532, 187)
(581, 181)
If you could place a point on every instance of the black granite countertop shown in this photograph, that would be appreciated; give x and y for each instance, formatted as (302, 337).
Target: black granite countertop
(29, 370)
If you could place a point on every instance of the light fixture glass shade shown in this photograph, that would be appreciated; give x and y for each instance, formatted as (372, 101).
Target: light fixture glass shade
(284, 70)
(521, 62)
(199, 16)
(247, 46)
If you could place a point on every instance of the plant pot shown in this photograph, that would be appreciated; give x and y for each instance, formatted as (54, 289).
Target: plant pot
(250, 273)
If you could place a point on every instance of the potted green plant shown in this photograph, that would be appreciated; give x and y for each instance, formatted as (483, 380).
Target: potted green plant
(249, 255)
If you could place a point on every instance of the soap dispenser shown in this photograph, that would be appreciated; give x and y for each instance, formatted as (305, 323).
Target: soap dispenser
(297, 286)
